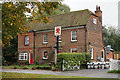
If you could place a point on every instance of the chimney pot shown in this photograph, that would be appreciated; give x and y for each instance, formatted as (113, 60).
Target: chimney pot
(96, 7)
(99, 8)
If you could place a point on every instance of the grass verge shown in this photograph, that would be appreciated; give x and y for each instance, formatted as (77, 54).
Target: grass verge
(114, 71)
(21, 76)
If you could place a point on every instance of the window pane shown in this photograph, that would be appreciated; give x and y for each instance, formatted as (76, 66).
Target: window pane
(73, 50)
(45, 38)
(45, 54)
(102, 54)
(22, 56)
(26, 40)
(94, 21)
(25, 56)
(74, 35)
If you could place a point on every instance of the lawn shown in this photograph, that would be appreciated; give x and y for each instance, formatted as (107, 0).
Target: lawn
(47, 76)
(24, 66)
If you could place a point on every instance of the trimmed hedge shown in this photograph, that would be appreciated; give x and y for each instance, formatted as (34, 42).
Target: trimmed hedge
(44, 67)
(114, 71)
(75, 57)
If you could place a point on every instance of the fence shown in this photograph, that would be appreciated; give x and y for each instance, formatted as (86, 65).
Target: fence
(70, 65)
(98, 65)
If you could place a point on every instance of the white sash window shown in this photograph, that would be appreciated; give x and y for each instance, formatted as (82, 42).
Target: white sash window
(22, 56)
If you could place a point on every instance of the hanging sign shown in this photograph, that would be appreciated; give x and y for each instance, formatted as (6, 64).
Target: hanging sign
(58, 31)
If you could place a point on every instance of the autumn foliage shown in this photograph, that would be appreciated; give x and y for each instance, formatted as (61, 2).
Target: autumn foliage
(13, 17)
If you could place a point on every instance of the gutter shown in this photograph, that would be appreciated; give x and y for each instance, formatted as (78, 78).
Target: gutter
(63, 28)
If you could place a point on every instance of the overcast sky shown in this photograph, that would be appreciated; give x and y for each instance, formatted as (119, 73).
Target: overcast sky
(108, 7)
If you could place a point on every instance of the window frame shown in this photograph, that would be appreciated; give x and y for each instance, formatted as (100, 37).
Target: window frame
(60, 39)
(94, 20)
(44, 53)
(75, 36)
(73, 49)
(26, 42)
(92, 53)
(23, 54)
(45, 41)
(102, 54)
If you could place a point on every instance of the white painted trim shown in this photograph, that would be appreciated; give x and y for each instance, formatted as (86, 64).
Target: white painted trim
(71, 36)
(23, 55)
(103, 56)
(29, 58)
(92, 53)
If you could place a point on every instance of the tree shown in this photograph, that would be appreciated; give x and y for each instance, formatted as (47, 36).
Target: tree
(63, 8)
(111, 36)
(13, 17)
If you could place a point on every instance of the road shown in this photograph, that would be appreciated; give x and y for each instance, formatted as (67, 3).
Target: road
(98, 73)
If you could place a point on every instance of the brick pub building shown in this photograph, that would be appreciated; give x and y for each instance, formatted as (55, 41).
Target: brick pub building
(81, 32)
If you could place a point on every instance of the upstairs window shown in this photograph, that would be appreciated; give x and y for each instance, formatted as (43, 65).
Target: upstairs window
(73, 50)
(22, 56)
(94, 21)
(45, 54)
(26, 40)
(45, 39)
(73, 35)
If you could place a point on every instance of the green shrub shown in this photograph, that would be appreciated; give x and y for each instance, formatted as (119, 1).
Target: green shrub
(72, 59)
(114, 71)
(45, 67)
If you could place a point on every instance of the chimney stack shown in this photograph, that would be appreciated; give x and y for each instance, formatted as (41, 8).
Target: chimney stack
(98, 12)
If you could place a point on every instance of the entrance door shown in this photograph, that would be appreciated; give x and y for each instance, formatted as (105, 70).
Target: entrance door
(30, 58)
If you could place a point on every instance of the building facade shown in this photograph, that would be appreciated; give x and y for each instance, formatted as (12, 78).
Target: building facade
(81, 31)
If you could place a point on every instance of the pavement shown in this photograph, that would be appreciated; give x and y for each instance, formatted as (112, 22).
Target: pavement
(98, 73)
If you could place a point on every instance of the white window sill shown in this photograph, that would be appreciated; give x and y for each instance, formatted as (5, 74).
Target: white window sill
(59, 41)
(22, 59)
(73, 40)
(45, 42)
(45, 58)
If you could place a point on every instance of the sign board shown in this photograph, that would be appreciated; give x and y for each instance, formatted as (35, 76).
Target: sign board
(58, 31)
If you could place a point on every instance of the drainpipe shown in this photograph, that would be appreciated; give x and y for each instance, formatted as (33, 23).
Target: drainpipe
(34, 46)
(86, 46)
(85, 40)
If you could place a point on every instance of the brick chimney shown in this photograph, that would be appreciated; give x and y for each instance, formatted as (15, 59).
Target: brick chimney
(98, 12)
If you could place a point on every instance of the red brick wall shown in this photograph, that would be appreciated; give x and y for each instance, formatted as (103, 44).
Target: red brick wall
(21, 43)
(66, 43)
(94, 36)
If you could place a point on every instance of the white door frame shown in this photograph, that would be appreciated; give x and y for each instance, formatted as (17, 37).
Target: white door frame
(29, 57)
(103, 55)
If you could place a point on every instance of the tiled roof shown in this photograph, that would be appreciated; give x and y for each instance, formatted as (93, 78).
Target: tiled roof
(75, 18)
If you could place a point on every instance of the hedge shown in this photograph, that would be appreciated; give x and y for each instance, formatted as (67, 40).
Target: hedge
(74, 57)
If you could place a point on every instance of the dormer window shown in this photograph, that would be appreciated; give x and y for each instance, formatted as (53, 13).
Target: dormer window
(26, 40)
(94, 21)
